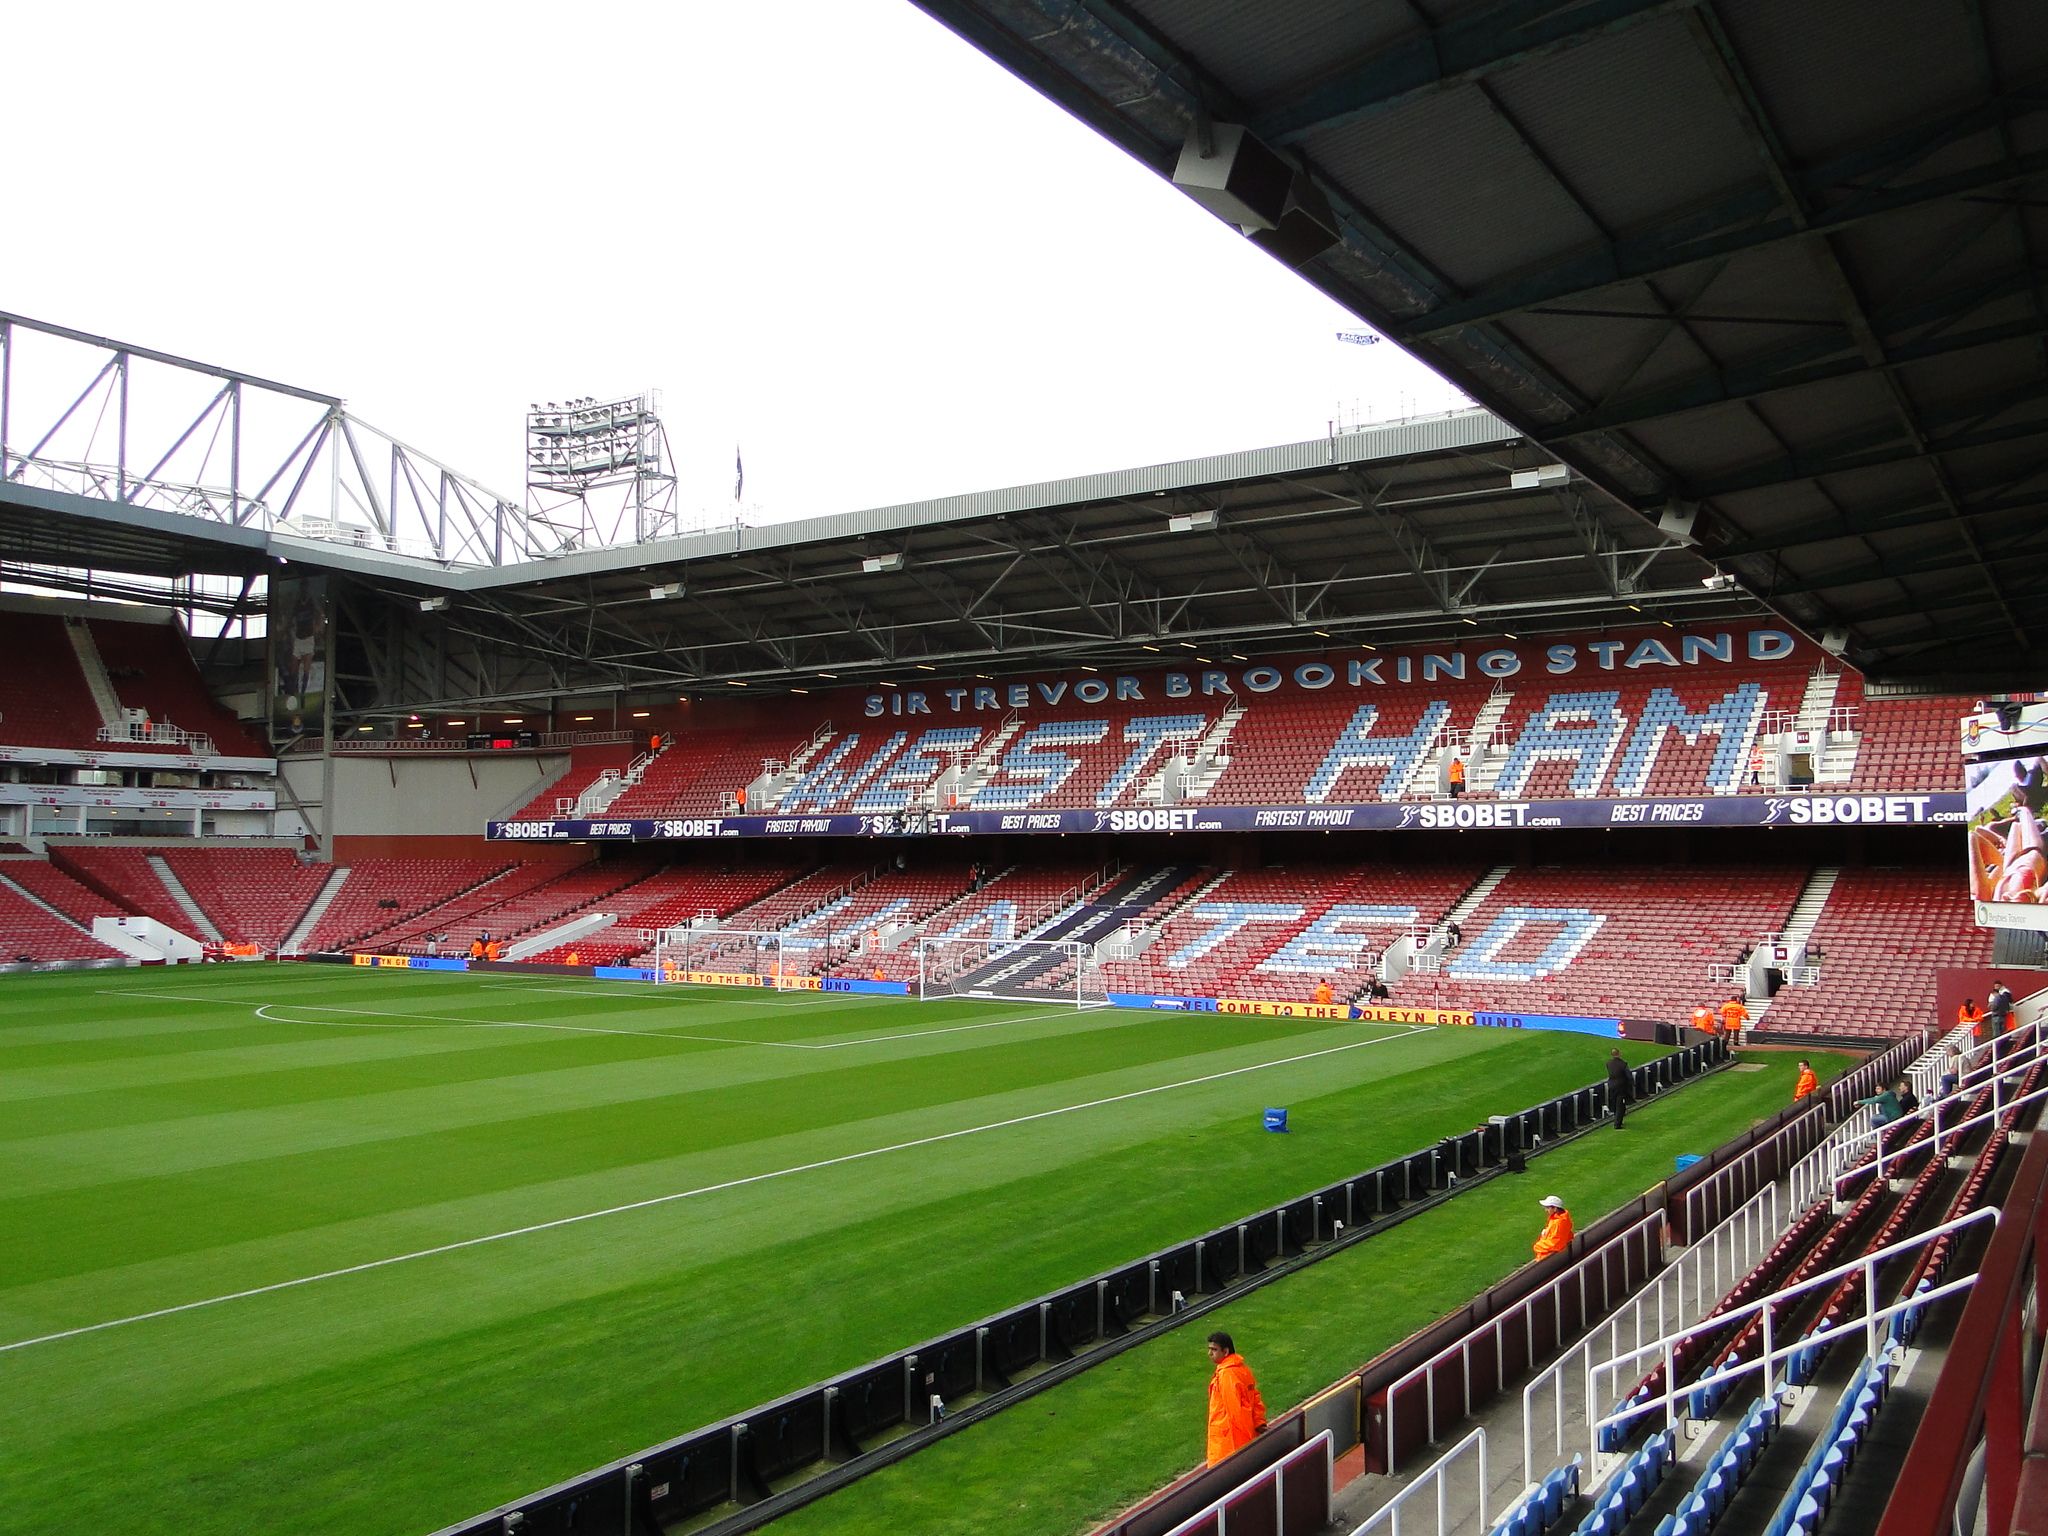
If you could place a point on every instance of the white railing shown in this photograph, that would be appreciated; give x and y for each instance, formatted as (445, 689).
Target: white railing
(1629, 1239)
(1434, 1480)
(550, 741)
(1708, 1269)
(2001, 1101)
(1792, 1140)
(157, 734)
(1813, 1176)
(1216, 1516)
(1870, 1325)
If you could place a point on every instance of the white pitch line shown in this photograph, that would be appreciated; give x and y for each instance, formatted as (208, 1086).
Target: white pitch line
(908, 1034)
(176, 997)
(582, 1029)
(431, 1019)
(652, 992)
(690, 1194)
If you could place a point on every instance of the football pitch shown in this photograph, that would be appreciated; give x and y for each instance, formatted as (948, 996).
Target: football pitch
(328, 1249)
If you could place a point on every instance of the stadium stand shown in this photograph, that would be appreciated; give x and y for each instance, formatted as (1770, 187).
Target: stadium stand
(1014, 903)
(1880, 938)
(380, 893)
(43, 697)
(125, 877)
(432, 897)
(1275, 933)
(663, 900)
(1622, 734)
(540, 895)
(586, 765)
(253, 895)
(29, 932)
(151, 668)
(700, 774)
(1907, 744)
(1632, 941)
(50, 884)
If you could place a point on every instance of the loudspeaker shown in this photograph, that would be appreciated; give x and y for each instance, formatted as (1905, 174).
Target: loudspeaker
(1240, 180)
(1246, 183)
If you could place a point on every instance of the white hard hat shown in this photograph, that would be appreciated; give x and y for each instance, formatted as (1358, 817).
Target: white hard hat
(1551, 1200)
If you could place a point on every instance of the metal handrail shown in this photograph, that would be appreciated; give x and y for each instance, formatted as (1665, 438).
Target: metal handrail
(1999, 1108)
(1426, 1370)
(1433, 1477)
(1758, 1221)
(1867, 1264)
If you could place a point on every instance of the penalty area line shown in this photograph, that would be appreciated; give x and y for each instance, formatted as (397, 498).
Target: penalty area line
(690, 1194)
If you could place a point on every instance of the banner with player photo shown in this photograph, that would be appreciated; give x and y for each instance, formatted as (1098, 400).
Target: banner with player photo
(298, 655)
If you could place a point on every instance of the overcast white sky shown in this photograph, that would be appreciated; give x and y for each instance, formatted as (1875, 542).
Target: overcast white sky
(826, 230)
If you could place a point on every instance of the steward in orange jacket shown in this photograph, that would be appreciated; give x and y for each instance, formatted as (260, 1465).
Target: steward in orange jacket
(1971, 1017)
(1236, 1411)
(1704, 1020)
(1324, 993)
(1557, 1228)
(476, 949)
(1733, 1014)
(1805, 1084)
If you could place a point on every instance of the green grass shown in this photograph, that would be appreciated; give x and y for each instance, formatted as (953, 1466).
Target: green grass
(867, 1174)
(1095, 1445)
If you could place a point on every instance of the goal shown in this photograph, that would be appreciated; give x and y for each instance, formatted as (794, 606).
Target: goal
(1014, 970)
(730, 957)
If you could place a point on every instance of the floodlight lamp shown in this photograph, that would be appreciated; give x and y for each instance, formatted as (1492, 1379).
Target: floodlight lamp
(433, 604)
(1192, 522)
(1719, 581)
(666, 590)
(875, 564)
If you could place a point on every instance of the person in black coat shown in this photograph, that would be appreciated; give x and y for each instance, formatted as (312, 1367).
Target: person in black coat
(1620, 1087)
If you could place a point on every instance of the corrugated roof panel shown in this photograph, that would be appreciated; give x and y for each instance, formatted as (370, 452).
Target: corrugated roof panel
(1834, 74)
(1635, 122)
(1298, 42)
(1396, 162)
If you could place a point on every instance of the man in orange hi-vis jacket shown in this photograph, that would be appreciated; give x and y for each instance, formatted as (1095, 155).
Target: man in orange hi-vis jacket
(1734, 1015)
(1325, 993)
(1236, 1411)
(1705, 1020)
(1805, 1085)
(1969, 1016)
(1557, 1228)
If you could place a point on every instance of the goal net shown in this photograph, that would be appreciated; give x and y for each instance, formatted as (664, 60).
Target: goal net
(1015, 970)
(724, 957)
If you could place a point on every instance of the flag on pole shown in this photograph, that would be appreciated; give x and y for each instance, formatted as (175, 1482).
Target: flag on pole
(739, 473)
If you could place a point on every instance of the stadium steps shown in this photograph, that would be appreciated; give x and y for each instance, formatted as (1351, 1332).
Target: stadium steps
(1798, 925)
(577, 927)
(97, 683)
(1469, 902)
(1482, 762)
(1205, 762)
(183, 898)
(980, 768)
(1807, 909)
(1833, 764)
(303, 929)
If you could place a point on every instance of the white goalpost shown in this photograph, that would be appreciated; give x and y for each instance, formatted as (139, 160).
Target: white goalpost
(727, 957)
(1011, 970)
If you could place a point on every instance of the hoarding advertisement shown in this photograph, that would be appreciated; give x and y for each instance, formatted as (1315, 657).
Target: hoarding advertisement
(2007, 798)
(1813, 809)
